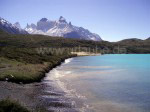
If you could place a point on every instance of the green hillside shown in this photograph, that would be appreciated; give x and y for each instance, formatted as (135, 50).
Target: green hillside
(21, 55)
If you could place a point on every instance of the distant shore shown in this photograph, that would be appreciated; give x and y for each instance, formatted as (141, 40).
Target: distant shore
(85, 53)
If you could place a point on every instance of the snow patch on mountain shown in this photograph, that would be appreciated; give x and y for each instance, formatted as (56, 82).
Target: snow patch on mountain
(11, 28)
(61, 28)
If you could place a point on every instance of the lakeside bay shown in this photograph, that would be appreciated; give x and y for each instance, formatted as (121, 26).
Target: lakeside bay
(109, 83)
(21, 63)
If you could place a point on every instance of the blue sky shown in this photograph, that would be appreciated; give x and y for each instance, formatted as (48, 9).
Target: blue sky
(113, 20)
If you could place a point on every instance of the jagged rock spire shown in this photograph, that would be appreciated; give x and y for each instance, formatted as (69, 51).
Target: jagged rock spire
(62, 19)
(44, 19)
(70, 24)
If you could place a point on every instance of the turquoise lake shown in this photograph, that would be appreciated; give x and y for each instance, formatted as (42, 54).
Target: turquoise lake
(108, 83)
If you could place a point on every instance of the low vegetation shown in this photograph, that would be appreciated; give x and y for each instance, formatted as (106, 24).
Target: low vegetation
(20, 62)
(19, 72)
(8, 105)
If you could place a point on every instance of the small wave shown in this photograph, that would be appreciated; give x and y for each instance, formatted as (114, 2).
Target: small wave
(70, 96)
(68, 72)
(57, 74)
(68, 60)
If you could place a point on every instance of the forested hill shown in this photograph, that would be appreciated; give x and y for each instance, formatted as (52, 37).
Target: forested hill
(34, 41)
(135, 45)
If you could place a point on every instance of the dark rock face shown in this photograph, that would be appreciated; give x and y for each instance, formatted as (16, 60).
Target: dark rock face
(62, 19)
(73, 34)
(44, 19)
(148, 38)
(44, 25)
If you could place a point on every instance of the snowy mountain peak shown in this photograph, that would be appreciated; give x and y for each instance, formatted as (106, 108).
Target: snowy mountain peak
(11, 28)
(61, 28)
(4, 22)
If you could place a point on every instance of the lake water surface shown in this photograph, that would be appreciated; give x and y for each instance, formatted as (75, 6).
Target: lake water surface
(107, 83)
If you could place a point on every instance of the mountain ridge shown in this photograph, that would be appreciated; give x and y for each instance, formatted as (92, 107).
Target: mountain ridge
(11, 28)
(61, 28)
